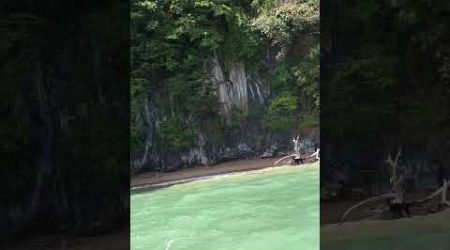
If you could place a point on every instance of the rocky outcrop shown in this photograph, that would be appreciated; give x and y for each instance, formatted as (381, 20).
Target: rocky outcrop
(237, 87)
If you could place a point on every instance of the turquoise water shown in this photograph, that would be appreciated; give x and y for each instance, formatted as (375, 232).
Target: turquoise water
(276, 209)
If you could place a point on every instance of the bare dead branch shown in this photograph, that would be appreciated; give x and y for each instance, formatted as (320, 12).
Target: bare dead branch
(312, 155)
(444, 192)
(436, 193)
(394, 165)
(283, 158)
(372, 199)
(296, 144)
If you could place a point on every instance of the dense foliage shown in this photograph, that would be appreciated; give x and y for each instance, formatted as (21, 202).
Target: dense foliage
(64, 117)
(173, 43)
(385, 80)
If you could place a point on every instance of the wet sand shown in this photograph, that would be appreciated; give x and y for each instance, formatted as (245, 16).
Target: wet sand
(359, 228)
(331, 212)
(151, 179)
(382, 228)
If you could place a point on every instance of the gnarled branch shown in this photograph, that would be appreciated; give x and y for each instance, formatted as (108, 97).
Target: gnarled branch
(372, 199)
(283, 158)
(442, 190)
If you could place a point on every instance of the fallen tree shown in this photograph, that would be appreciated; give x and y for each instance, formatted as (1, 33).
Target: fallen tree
(442, 190)
(296, 156)
(396, 198)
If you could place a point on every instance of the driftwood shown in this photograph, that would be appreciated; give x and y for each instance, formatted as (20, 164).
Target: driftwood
(396, 195)
(283, 158)
(442, 190)
(296, 155)
(372, 199)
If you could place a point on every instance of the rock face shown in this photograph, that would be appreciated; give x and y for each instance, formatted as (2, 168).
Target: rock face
(236, 88)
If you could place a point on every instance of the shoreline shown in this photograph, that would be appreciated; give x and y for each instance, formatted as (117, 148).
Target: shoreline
(150, 180)
(385, 228)
(147, 182)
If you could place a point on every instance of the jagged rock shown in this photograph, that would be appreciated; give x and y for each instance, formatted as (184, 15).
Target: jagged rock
(236, 87)
(195, 156)
(281, 153)
(230, 154)
(270, 152)
(267, 154)
(244, 150)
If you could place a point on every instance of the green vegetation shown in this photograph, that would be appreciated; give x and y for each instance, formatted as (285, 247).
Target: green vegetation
(173, 43)
(64, 117)
(385, 79)
(280, 23)
(174, 136)
(281, 113)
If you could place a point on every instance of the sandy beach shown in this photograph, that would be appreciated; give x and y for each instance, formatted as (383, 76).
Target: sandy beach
(152, 179)
(382, 228)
